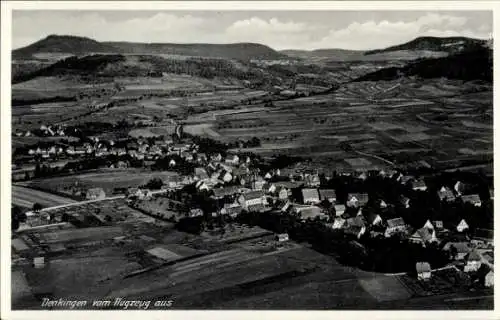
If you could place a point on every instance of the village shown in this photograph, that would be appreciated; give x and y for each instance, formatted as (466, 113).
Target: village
(213, 188)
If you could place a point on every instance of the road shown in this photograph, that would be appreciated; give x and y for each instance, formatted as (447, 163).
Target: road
(26, 197)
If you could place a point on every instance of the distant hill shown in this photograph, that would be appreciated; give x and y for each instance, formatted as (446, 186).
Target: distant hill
(337, 54)
(448, 44)
(332, 55)
(472, 64)
(85, 46)
(62, 44)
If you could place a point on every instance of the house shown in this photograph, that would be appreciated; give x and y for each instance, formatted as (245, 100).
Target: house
(201, 173)
(216, 157)
(338, 223)
(405, 201)
(328, 195)
(445, 194)
(374, 219)
(472, 261)
(225, 176)
(394, 226)
(438, 225)
(423, 270)
(232, 159)
(489, 279)
(406, 179)
(219, 193)
(473, 199)
(460, 187)
(423, 236)
(233, 209)
(419, 185)
(458, 249)
(256, 208)
(269, 188)
(144, 194)
(428, 225)
(201, 185)
(357, 199)
(312, 180)
(309, 212)
(283, 193)
(462, 226)
(282, 237)
(310, 196)
(95, 194)
(257, 183)
(251, 198)
(172, 163)
(382, 204)
(339, 209)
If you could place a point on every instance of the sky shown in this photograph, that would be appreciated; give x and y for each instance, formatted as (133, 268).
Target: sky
(305, 30)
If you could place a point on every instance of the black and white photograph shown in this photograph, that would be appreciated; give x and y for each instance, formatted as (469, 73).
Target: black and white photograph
(249, 159)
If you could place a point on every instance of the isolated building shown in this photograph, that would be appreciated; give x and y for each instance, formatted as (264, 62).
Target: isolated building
(95, 194)
(473, 199)
(462, 226)
(423, 270)
(310, 195)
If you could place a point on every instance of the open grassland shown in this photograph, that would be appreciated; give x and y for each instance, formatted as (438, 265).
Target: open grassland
(26, 197)
(108, 179)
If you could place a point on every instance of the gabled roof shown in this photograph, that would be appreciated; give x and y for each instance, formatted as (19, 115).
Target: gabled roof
(326, 194)
(256, 207)
(471, 198)
(310, 193)
(418, 184)
(371, 217)
(423, 267)
(362, 197)
(339, 207)
(227, 191)
(391, 223)
(253, 194)
(462, 247)
(473, 256)
(424, 234)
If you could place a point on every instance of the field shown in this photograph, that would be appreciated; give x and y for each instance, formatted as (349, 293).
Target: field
(108, 179)
(26, 197)
(390, 120)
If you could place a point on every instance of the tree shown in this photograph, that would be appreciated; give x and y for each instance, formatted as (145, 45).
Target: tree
(37, 207)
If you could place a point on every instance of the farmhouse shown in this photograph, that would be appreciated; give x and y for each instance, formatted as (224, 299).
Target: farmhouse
(232, 159)
(374, 219)
(423, 236)
(339, 209)
(282, 237)
(309, 212)
(394, 226)
(252, 198)
(472, 261)
(428, 225)
(328, 195)
(472, 199)
(310, 196)
(462, 226)
(220, 193)
(405, 201)
(438, 224)
(445, 194)
(233, 209)
(95, 194)
(338, 223)
(419, 185)
(423, 270)
(357, 199)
